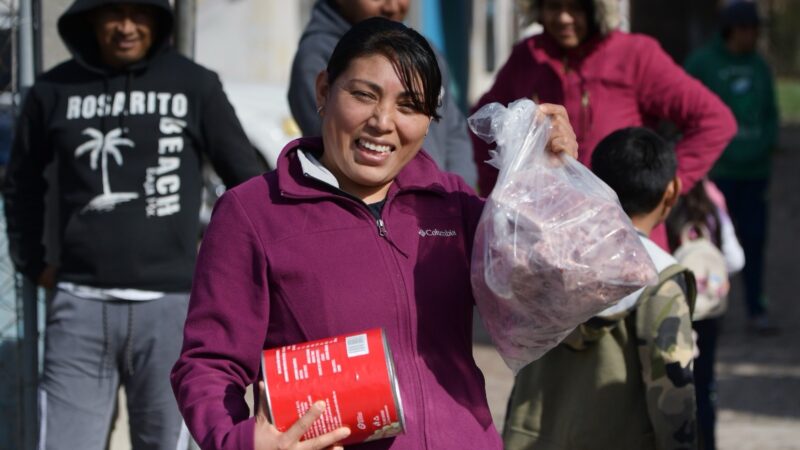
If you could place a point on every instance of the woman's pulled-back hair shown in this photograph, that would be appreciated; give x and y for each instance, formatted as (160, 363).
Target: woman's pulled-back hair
(412, 57)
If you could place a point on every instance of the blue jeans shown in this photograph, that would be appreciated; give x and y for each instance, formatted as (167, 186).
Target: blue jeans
(748, 207)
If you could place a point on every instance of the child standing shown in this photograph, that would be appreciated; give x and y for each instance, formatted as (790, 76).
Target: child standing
(623, 379)
(703, 208)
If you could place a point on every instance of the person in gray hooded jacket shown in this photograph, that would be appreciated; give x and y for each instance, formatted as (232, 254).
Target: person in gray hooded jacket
(447, 141)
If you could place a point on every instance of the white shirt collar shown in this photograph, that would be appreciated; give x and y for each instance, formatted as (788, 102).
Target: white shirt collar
(314, 169)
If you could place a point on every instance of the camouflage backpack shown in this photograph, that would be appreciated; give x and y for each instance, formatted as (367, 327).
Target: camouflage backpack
(595, 328)
(706, 261)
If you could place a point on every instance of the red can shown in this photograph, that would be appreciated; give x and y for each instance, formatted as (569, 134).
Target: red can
(354, 375)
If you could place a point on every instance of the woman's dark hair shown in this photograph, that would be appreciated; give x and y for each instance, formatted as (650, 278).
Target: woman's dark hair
(696, 209)
(638, 165)
(412, 57)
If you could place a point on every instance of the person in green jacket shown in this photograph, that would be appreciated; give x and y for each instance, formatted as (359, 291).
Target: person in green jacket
(732, 68)
(622, 380)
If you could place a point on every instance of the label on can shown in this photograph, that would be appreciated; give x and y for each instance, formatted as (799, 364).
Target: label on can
(353, 374)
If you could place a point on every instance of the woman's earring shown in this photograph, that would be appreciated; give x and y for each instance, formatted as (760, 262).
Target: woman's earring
(319, 110)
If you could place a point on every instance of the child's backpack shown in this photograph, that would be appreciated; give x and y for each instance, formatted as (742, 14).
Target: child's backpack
(699, 254)
(591, 331)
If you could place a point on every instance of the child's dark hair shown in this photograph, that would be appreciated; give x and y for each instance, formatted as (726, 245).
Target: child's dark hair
(412, 57)
(638, 165)
(696, 209)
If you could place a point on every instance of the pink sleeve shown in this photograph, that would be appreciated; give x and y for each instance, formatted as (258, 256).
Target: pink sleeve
(715, 195)
(224, 332)
(509, 85)
(667, 91)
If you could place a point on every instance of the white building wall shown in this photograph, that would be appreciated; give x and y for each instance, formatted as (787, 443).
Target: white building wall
(242, 40)
(53, 50)
(250, 40)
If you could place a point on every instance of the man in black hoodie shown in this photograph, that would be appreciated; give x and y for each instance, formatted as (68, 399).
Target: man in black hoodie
(128, 122)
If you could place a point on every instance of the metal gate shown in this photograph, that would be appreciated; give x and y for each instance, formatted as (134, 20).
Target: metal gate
(19, 317)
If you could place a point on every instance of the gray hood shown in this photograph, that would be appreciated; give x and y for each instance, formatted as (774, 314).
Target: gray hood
(326, 20)
(79, 38)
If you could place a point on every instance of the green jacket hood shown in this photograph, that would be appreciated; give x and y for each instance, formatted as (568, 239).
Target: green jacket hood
(78, 36)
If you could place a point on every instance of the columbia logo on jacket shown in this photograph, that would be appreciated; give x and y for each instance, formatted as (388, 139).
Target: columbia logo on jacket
(437, 233)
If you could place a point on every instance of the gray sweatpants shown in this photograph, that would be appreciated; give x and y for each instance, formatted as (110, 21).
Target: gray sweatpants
(91, 347)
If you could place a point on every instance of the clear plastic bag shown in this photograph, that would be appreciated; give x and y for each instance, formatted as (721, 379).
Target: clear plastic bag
(553, 246)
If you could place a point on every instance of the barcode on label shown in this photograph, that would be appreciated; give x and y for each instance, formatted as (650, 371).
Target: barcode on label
(357, 345)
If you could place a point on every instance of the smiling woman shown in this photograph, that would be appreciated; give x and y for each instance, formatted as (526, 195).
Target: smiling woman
(376, 108)
(371, 129)
(355, 230)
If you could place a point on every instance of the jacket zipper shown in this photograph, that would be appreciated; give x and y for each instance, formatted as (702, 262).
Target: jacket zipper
(584, 113)
(383, 233)
(407, 326)
(584, 116)
(380, 224)
(381, 228)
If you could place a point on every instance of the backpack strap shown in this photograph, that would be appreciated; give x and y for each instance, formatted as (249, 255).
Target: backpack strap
(594, 329)
(685, 278)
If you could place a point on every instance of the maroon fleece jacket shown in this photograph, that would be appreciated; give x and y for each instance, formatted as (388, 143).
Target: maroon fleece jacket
(287, 259)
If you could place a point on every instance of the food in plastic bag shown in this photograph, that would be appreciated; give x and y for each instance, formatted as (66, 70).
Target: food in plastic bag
(553, 246)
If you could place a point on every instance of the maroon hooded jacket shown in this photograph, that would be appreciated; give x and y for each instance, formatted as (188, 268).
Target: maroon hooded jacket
(288, 258)
(619, 80)
(609, 82)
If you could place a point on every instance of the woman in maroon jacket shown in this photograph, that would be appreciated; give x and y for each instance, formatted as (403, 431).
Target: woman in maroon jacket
(608, 79)
(355, 230)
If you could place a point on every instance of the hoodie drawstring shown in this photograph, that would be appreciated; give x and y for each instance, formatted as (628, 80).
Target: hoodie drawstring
(107, 107)
(106, 361)
(121, 119)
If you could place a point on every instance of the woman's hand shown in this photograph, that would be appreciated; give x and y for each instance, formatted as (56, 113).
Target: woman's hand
(562, 136)
(267, 437)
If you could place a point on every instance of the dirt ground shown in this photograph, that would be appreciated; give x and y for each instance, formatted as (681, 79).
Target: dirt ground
(758, 377)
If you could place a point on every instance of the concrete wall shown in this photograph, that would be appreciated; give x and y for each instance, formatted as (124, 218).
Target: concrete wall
(250, 40)
(53, 50)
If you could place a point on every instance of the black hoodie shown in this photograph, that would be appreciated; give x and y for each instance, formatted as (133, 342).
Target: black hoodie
(128, 145)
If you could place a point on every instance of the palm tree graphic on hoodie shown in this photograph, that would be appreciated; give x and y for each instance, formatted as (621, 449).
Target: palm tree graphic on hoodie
(99, 147)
